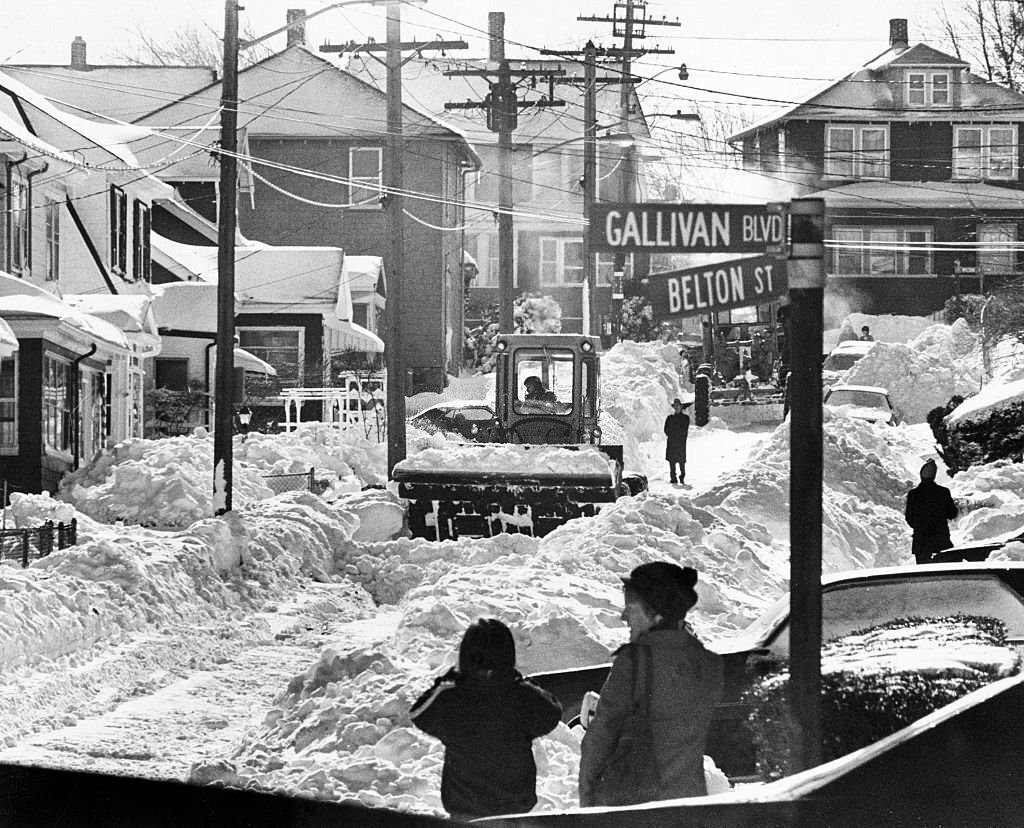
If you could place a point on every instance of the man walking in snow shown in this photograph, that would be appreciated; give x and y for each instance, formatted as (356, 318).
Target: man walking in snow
(930, 507)
(677, 428)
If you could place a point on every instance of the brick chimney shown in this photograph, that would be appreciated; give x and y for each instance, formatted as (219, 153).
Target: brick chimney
(496, 34)
(296, 36)
(898, 33)
(78, 60)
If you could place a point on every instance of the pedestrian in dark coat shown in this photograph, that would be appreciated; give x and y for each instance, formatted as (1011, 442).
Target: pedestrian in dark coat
(487, 715)
(687, 683)
(929, 508)
(677, 428)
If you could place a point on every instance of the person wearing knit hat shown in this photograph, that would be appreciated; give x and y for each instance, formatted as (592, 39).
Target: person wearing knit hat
(928, 511)
(686, 682)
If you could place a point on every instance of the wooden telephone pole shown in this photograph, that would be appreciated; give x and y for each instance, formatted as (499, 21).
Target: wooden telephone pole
(394, 356)
(223, 413)
(502, 104)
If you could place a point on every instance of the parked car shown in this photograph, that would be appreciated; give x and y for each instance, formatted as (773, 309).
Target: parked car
(850, 601)
(865, 402)
(977, 550)
(469, 419)
(842, 358)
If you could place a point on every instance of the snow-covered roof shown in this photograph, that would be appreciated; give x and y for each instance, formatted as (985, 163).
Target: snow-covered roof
(853, 346)
(131, 313)
(186, 306)
(22, 302)
(993, 396)
(895, 195)
(362, 273)
(872, 389)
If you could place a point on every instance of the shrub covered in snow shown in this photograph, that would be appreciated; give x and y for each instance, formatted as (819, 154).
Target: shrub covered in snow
(879, 680)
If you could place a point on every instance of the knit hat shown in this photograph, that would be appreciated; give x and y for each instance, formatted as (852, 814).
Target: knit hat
(928, 470)
(665, 587)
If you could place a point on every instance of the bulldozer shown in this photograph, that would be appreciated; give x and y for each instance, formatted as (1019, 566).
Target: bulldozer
(547, 402)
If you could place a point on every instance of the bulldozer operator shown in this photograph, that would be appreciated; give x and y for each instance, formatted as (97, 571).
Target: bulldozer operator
(537, 392)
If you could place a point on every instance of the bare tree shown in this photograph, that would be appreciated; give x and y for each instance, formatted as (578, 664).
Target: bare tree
(189, 45)
(990, 35)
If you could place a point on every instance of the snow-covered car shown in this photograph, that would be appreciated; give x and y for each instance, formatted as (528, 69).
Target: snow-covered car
(842, 358)
(865, 402)
(469, 419)
(850, 601)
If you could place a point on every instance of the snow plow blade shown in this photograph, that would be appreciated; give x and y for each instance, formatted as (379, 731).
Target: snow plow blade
(484, 498)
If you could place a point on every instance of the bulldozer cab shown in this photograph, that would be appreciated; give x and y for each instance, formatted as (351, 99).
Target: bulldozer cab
(546, 389)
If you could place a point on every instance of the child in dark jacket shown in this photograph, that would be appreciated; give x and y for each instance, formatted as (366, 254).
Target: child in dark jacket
(487, 715)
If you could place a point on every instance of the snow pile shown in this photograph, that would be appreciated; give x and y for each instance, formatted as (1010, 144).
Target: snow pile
(941, 361)
(167, 483)
(994, 493)
(884, 328)
(114, 582)
(525, 460)
(865, 483)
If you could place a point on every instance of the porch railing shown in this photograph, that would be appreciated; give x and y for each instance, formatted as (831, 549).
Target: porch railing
(26, 545)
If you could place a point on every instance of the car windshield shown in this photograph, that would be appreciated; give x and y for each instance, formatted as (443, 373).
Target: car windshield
(862, 399)
(846, 608)
(840, 362)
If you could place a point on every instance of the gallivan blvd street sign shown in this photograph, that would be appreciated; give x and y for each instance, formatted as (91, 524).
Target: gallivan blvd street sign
(738, 283)
(685, 228)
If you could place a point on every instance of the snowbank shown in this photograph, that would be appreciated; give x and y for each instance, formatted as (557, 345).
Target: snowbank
(991, 398)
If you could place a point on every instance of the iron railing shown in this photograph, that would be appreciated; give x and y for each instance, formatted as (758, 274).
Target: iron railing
(25, 545)
(282, 483)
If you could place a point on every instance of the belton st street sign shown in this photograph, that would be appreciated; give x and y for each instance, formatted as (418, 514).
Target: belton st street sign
(738, 283)
(686, 228)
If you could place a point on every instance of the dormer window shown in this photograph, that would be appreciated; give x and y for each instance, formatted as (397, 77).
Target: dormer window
(928, 89)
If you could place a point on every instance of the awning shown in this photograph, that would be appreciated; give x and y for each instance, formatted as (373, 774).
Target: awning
(356, 337)
(251, 362)
(8, 341)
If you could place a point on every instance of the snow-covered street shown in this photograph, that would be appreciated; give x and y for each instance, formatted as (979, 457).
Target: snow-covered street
(280, 647)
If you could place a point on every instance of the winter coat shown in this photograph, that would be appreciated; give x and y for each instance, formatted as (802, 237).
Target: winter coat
(929, 508)
(487, 726)
(687, 684)
(677, 427)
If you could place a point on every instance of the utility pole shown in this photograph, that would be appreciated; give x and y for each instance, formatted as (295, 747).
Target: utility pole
(502, 104)
(629, 21)
(806, 272)
(394, 184)
(226, 221)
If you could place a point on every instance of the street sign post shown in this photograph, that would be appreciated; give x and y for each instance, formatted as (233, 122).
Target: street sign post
(722, 286)
(685, 228)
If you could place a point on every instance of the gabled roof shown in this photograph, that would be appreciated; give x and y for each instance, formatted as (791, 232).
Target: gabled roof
(865, 94)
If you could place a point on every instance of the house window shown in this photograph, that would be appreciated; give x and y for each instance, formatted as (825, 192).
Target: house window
(485, 252)
(881, 251)
(985, 152)
(19, 225)
(8, 404)
(171, 373)
(58, 418)
(142, 268)
(118, 231)
(606, 268)
(95, 413)
(52, 210)
(857, 151)
(365, 172)
(996, 243)
(927, 89)
(561, 261)
(284, 348)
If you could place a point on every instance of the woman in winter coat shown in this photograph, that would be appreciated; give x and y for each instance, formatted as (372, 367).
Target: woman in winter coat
(487, 715)
(687, 684)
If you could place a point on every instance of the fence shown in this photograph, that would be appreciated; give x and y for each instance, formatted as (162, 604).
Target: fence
(25, 545)
(282, 483)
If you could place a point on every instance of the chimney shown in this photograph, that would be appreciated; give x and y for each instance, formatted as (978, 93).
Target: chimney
(296, 36)
(496, 34)
(78, 60)
(898, 33)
